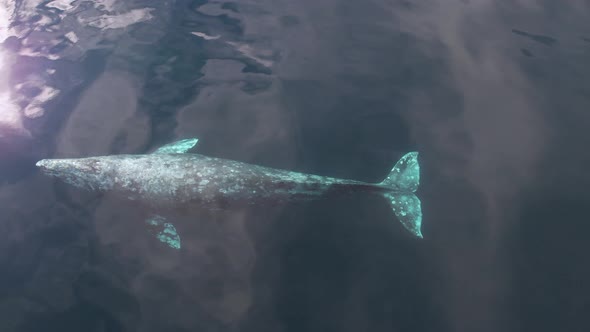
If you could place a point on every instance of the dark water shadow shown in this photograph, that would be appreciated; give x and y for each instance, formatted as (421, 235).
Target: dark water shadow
(343, 263)
(548, 252)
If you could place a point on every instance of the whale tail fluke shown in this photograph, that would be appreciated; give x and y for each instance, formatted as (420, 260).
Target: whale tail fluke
(403, 181)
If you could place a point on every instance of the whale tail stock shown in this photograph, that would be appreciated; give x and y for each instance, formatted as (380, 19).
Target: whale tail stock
(403, 181)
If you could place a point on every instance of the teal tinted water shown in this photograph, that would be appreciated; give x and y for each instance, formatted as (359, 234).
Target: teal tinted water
(493, 96)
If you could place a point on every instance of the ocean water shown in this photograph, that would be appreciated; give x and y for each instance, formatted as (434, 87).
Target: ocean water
(495, 96)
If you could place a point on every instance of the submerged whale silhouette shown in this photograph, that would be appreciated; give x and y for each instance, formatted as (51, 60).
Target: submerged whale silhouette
(170, 176)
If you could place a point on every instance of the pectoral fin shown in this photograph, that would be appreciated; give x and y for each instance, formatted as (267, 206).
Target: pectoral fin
(181, 146)
(164, 231)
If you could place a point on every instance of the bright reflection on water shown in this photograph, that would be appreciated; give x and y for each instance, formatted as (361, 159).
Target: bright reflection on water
(4, 25)
(6, 7)
(9, 111)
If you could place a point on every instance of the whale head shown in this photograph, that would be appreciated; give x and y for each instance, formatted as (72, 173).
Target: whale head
(85, 173)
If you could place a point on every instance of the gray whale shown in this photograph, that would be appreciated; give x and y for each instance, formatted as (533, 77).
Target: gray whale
(170, 176)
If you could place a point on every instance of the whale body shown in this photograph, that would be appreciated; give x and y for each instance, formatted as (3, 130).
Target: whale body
(170, 176)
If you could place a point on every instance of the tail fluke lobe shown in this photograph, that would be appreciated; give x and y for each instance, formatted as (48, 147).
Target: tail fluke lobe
(408, 210)
(405, 175)
(403, 181)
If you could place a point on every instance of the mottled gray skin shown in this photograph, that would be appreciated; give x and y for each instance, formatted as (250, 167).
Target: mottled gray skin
(172, 179)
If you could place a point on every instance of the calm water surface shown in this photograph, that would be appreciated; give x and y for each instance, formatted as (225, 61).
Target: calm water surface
(494, 95)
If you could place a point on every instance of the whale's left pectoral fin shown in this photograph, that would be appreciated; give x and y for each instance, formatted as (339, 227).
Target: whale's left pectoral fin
(182, 146)
(164, 231)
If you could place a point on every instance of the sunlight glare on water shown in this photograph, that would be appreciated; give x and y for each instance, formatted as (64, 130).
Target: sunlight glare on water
(6, 10)
(9, 111)
(4, 26)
